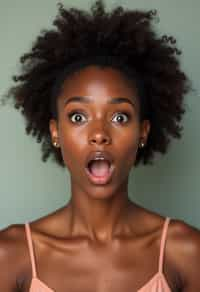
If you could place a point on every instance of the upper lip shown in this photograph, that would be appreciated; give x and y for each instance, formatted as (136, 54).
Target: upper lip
(99, 154)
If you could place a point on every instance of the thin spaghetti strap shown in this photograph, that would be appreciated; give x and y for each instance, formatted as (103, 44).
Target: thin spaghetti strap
(30, 247)
(162, 244)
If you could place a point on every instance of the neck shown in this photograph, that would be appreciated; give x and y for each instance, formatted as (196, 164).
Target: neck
(98, 218)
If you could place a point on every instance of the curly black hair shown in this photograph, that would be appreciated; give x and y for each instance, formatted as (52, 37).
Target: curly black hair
(121, 38)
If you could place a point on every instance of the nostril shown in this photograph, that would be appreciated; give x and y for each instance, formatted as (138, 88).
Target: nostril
(100, 138)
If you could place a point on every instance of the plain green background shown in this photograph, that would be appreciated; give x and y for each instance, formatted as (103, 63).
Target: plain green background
(30, 188)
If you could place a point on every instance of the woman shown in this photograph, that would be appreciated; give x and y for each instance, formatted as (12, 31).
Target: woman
(103, 93)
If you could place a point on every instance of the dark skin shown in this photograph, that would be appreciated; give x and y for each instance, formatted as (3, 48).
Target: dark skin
(100, 241)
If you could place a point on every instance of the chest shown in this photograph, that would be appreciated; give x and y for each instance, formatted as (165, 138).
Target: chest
(98, 269)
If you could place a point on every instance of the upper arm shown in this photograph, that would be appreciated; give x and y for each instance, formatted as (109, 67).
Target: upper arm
(8, 259)
(188, 258)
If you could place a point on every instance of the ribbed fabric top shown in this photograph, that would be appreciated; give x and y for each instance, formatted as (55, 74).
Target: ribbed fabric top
(157, 283)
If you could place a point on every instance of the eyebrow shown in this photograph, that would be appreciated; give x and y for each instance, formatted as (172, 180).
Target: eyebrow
(84, 99)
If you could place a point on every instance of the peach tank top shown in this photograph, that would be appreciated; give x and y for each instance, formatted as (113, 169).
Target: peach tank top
(157, 283)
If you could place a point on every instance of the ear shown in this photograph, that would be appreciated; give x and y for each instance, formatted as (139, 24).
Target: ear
(53, 128)
(144, 130)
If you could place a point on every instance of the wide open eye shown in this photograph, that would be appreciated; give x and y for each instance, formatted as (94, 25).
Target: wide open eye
(75, 117)
(120, 117)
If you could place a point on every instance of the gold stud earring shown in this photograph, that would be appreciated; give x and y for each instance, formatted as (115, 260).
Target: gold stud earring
(142, 144)
(55, 144)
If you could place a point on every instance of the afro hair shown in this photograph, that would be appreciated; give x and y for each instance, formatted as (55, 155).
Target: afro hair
(128, 41)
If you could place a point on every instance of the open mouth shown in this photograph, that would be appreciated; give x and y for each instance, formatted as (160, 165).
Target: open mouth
(99, 171)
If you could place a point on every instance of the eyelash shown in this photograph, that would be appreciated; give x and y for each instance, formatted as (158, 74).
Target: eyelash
(80, 113)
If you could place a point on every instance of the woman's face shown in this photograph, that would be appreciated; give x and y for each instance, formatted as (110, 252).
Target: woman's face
(98, 121)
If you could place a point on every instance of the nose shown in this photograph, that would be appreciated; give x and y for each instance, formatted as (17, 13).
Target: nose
(99, 136)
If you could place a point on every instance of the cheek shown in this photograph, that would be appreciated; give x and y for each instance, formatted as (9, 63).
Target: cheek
(130, 152)
(72, 144)
(127, 146)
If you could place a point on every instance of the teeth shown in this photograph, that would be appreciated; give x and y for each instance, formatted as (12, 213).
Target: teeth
(99, 158)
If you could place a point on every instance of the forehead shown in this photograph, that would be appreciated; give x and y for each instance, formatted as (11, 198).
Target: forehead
(98, 84)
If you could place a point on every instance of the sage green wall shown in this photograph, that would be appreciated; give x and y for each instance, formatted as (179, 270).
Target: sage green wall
(30, 189)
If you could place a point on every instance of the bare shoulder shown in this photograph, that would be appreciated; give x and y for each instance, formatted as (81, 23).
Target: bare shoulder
(184, 247)
(10, 238)
(12, 245)
(186, 239)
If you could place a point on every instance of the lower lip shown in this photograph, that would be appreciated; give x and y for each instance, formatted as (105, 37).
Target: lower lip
(100, 180)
